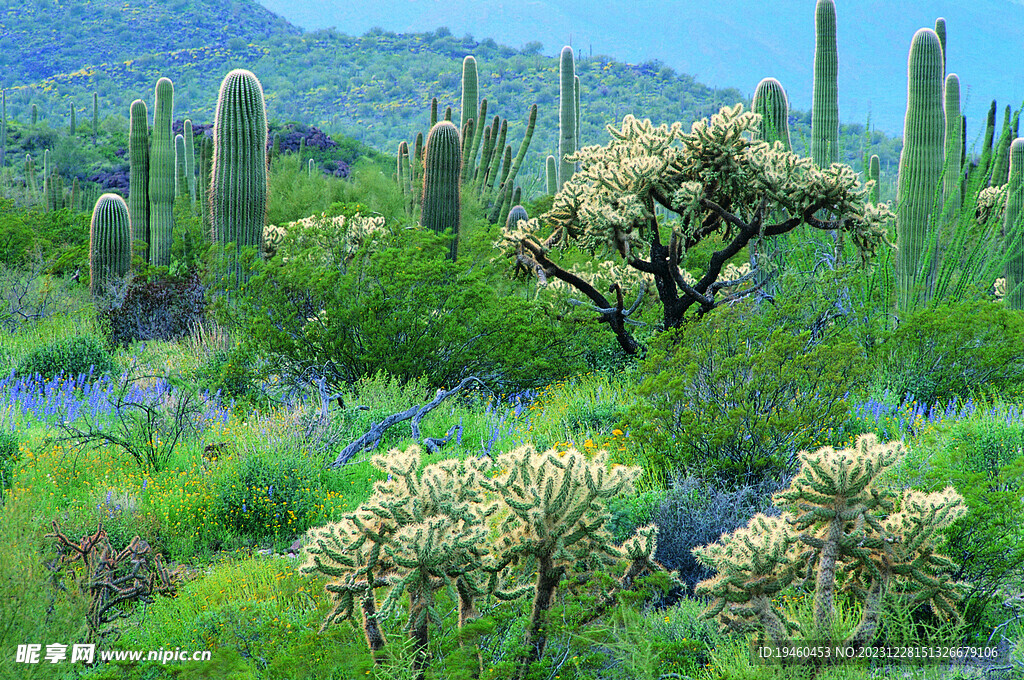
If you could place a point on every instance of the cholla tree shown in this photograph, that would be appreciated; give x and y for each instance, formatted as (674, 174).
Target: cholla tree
(556, 516)
(839, 519)
(720, 182)
(420, 531)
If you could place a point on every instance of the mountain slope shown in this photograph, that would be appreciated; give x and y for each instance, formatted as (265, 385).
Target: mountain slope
(42, 38)
(732, 43)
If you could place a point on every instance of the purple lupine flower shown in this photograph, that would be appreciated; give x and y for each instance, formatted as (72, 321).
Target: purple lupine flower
(270, 491)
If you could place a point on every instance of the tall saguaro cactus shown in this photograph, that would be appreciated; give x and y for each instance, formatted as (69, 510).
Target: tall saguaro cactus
(238, 188)
(442, 164)
(825, 109)
(875, 175)
(551, 174)
(1013, 227)
(180, 178)
(162, 177)
(771, 103)
(952, 178)
(470, 91)
(190, 160)
(566, 116)
(920, 171)
(1001, 156)
(110, 242)
(940, 30)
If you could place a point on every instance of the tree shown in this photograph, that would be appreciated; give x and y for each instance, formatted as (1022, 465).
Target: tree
(719, 181)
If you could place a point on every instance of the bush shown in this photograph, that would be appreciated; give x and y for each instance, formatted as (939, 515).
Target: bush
(398, 306)
(983, 459)
(272, 497)
(9, 455)
(82, 355)
(233, 374)
(694, 513)
(160, 309)
(25, 231)
(737, 394)
(952, 350)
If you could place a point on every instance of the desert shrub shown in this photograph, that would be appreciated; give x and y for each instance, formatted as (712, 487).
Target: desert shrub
(9, 455)
(982, 457)
(397, 305)
(157, 309)
(24, 231)
(952, 350)
(738, 393)
(695, 512)
(632, 511)
(82, 355)
(234, 375)
(267, 496)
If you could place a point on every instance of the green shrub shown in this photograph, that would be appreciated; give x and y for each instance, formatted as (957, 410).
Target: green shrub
(271, 496)
(982, 457)
(952, 350)
(234, 375)
(396, 305)
(9, 455)
(738, 393)
(82, 355)
(24, 231)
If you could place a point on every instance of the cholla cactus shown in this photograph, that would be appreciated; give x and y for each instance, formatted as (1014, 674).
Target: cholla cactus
(334, 241)
(840, 519)
(556, 516)
(608, 206)
(991, 204)
(418, 532)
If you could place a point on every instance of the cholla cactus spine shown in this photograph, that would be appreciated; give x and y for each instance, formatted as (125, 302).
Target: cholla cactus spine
(110, 243)
(921, 162)
(161, 177)
(825, 110)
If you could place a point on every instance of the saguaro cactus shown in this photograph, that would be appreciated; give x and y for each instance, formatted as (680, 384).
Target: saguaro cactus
(874, 174)
(190, 161)
(503, 201)
(1013, 227)
(442, 164)
(110, 242)
(180, 178)
(951, 178)
(238, 189)
(940, 30)
(470, 91)
(551, 175)
(825, 111)
(161, 177)
(95, 117)
(1001, 156)
(920, 170)
(566, 116)
(771, 103)
(138, 173)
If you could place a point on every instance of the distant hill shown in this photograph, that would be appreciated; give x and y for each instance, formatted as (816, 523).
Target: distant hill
(43, 38)
(376, 88)
(732, 43)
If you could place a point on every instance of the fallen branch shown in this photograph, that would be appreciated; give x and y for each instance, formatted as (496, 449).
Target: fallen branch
(416, 413)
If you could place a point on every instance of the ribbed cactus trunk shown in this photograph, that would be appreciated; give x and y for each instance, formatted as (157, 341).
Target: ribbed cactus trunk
(515, 214)
(110, 243)
(73, 125)
(161, 177)
(469, 110)
(180, 178)
(985, 163)
(566, 116)
(940, 30)
(190, 161)
(551, 174)
(875, 174)
(918, 197)
(952, 177)
(825, 105)
(443, 161)
(771, 103)
(95, 117)
(1013, 229)
(576, 94)
(238, 188)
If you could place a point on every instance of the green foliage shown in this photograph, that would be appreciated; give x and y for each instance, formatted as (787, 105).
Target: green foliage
(234, 375)
(739, 393)
(983, 458)
(397, 308)
(952, 350)
(267, 496)
(1013, 227)
(9, 456)
(26, 231)
(82, 355)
